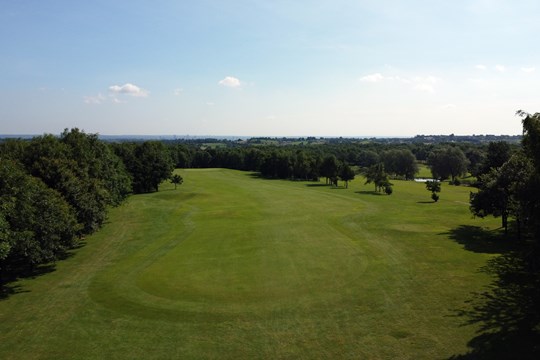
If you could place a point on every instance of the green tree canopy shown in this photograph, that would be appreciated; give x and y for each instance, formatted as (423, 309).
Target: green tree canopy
(400, 162)
(149, 163)
(37, 222)
(346, 174)
(447, 162)
(176, 179)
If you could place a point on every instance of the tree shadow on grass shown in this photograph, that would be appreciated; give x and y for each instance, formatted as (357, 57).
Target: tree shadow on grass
(481, 240)
(367, 192)
(507, 312)
(10, 276)
(16, 271)
(8, 290)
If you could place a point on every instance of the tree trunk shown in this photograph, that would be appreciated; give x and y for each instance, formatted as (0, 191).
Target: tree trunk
(518, 222)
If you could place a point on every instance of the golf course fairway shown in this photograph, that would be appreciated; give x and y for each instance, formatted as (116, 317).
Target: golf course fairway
(231, 266)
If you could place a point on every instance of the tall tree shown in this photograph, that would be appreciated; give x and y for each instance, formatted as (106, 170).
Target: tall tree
(329, 168)
(51, 160)
(498, 153)
(447, 162)
(346, 174)
(400, 162)
(476, 159)
(503, 191)
(376, 174)
(149, 163)
(38, 222)
(531, 148)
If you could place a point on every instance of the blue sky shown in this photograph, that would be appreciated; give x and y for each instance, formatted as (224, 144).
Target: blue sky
(269, 68)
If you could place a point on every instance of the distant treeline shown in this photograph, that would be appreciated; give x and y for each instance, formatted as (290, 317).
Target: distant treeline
(246, 140)
(301, 161)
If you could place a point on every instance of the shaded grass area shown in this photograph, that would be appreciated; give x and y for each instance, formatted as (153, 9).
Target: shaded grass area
(231, 266)
(507, 311)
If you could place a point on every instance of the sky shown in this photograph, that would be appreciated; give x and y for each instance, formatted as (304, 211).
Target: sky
(269, 68)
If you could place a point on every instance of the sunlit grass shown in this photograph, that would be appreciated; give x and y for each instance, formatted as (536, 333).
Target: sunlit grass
(231, 266)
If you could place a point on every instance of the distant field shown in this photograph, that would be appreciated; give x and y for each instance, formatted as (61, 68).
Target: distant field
(230, 266)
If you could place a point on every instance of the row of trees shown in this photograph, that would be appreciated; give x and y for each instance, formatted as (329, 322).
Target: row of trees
(446, 161)
(241, 156)
(55, 190)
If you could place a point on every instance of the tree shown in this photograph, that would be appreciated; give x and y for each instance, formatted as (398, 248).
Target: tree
(329, 167)
(503, 191)
(367, 158)
(96, 160)
(531, 149)
(476, 159)
(497, 154)
(447, 162)
(149, 163)
(375, 174)
(346, 173)
(400, 163)
(37, 222)
(176, 179)
(435, 188)
(51, 160)
(5, 244)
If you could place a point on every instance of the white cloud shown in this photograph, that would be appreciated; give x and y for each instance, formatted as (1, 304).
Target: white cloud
(481, 67)
(94, 100)
(528, 69)
(500, 68)
(231, 82)
(178, 91)
(372, 78)
(128, 89)
(210, 103)
(420, 83)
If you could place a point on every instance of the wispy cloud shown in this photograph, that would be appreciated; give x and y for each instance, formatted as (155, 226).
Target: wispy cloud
(480, 67)
(230, 81)
(373, 78)
(94, 100)
(128, 89)
(178, 91)
(420, 83)
(528, 69)
(500, 68)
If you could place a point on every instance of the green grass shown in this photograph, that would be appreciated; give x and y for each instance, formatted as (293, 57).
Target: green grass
(424, 172)
(230, 266)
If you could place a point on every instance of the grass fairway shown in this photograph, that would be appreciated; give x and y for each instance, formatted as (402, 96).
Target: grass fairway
(230, 266)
